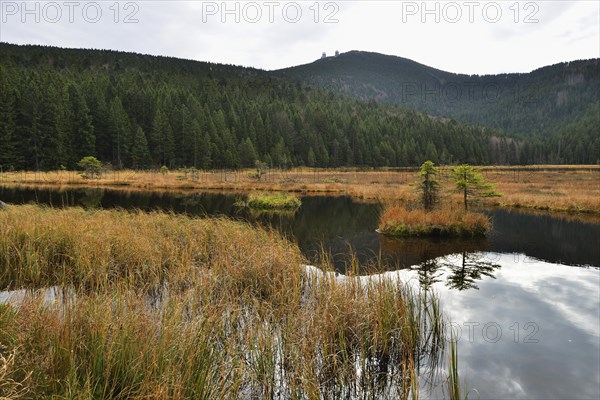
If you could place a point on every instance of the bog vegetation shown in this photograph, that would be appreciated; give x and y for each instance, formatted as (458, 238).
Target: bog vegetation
(398, 220)
(111, 304)
(572, 189)
(266, 201)
(433, 219)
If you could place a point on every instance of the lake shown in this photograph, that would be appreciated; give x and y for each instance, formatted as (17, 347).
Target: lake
(524, 302)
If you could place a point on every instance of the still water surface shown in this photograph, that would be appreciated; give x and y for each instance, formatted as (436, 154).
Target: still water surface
(524, 302)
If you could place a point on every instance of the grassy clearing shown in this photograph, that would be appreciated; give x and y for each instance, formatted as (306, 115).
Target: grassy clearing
(164, 306)
(279, 201)
(397, 220)
(574, 189)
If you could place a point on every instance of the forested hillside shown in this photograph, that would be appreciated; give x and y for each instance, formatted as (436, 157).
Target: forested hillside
(531, 106)
(137, 111)
(576, 141)
(57, 106)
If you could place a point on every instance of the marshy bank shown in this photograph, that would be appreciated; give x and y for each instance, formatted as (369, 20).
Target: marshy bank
(543, 269)
(168, 306)
(561, 188)
(340, 223)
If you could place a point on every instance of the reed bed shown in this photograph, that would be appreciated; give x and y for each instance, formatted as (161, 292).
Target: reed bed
(563, 188)
(398, 220)
(163, 306)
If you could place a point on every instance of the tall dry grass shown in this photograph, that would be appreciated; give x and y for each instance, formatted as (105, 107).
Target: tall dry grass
(164, 306)
(543, 187)
(399, 220)
(9, 388)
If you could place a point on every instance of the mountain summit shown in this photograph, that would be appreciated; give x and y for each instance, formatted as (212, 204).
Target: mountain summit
(524, 104)
(58, 106)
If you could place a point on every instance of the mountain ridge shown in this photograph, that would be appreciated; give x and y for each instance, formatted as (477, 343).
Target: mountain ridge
(519, 103)
(58, 106)
(132, 110)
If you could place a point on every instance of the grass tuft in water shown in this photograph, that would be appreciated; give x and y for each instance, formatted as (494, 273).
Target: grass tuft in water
(277, 201)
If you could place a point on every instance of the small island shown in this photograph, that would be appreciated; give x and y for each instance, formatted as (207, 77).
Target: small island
(431, 219)
(400, 222)
(271, 202)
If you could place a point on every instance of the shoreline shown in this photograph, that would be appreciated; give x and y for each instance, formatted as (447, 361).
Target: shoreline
(573, 190)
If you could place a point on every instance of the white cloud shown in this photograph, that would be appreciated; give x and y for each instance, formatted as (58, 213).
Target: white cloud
(566, 30)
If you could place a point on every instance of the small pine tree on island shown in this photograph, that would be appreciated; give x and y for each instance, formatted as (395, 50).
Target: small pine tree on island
(429, 185)
(469, 181)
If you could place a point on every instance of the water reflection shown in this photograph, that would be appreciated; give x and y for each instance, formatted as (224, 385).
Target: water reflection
(545, 237)
(407, 252)
(516, 291)
(532, 332)
(338, 224)
(458, 271)
(428, 273)
(471, 267)
(92, 198)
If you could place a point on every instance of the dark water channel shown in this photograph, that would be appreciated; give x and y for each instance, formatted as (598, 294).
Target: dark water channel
(524, 302)
(339, 223)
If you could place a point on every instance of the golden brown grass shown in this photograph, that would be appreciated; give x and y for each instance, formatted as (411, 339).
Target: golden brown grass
(164, 306)
(550, 188)
(364, 184)
(575, 190)
(398, 220)
(9, 388)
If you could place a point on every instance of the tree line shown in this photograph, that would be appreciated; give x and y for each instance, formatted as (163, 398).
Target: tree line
(58, 106)
(535, 106)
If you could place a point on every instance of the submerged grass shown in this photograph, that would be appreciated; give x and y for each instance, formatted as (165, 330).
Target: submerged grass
(398, 220)
(454, 387)
(164, 306)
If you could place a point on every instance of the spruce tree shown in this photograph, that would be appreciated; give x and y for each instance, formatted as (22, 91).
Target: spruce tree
(470, 183)
(247, 153)
(311, 158)
(9, 158)
(140, 155)
(429, 185)
(119, 130)
(84, 142)
(29, 126)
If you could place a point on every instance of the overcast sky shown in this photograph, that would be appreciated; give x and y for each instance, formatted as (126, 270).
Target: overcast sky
(473, 37)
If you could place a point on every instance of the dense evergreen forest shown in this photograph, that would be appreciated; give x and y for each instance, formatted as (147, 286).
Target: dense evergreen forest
(523, 104)
(137, 111)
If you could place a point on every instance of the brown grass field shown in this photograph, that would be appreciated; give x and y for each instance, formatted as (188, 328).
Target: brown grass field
(120, 305)
(397, 220)
(574, 189)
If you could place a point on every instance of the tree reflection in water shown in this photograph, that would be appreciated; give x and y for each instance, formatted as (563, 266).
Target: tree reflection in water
(408, 252)
(471, 268)
(429, 273)
(462, 270)
(91, 198)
